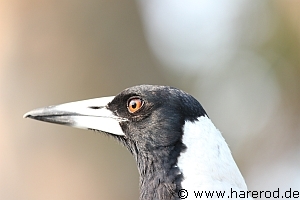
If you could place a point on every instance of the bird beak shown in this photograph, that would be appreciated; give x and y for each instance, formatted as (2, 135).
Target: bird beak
(92, 114)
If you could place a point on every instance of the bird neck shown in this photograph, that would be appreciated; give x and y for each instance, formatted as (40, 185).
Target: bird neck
(207, 163)
(160, 178)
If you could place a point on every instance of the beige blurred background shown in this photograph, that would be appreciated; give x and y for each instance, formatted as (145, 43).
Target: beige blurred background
(240, 59)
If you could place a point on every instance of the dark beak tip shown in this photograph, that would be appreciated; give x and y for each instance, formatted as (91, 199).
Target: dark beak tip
(28, 115)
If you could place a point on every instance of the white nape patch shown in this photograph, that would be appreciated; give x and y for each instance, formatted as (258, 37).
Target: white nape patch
(207, 163)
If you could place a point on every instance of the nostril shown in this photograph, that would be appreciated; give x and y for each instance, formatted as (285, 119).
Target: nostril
(95, 107)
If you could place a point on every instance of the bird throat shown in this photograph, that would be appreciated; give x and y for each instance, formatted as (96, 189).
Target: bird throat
(160, 177)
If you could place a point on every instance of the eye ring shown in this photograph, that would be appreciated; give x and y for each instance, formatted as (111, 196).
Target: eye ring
(134, 104)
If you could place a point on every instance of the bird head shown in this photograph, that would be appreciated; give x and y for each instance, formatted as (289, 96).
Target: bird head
(146, 115)
(168, 132)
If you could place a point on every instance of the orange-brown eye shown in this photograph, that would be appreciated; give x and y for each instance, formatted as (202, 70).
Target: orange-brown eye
(134, 105)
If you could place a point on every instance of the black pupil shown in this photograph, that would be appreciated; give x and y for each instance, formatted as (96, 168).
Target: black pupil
(133, 104)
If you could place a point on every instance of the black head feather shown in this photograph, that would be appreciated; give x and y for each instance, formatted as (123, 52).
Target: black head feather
(153, 135)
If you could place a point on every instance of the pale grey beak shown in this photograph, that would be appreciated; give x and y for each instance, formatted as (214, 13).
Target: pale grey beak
(87, 114)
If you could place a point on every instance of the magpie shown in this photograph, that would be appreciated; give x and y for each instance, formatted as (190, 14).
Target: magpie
(179, 152)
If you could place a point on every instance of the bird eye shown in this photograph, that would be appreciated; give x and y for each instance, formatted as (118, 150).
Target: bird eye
(134, 105)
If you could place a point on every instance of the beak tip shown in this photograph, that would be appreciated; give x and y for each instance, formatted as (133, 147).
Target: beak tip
(28, 115)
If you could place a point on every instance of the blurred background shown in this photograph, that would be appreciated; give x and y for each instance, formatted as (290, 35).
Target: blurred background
(240, 59)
